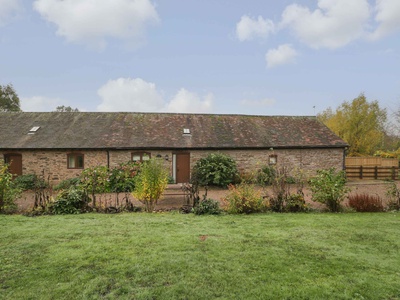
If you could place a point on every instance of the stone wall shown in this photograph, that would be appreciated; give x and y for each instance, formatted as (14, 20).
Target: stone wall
(53, 164)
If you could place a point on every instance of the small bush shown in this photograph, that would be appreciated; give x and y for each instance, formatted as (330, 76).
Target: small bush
(266, 175)
(71, 201)
(30, 182)
(67, 183)
(207, 207)
(216, 169)
(244, 198)
(393, 193)
(296, 203)
(365, 203)
(9, 192)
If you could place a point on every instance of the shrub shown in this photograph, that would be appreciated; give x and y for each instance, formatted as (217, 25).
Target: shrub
(122, 178)
(393, 193)
(365, 203)
(207, 207)
(9, 192)
(244, 198)
(71, 201)
(30, 182)
(67, 183)
(266, 175)
(94, 181)
(296, 203)
(329, 187)
(151, 183)
(280, 189)
(216, 169)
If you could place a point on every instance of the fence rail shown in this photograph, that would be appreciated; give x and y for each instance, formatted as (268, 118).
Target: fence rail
(372, 172)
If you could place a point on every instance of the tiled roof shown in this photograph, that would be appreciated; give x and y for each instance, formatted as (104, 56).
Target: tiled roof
(94, 130)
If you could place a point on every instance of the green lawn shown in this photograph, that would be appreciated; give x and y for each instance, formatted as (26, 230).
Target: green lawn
(174, 256)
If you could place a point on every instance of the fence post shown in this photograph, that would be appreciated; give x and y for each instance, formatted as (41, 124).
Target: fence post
(376, 172)
(393, 173)
(361, 172)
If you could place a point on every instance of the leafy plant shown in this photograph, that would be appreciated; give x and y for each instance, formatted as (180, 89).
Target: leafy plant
(9, 191)
(296, 203)
(266, 175)
(329, 187)
(207, 207)
(95, 181)
(71, 201)
(67, 183)
(215, 169)
(365, 203)
(393, 193)
(122, 178)
(151, 183)
(280, 189)
(244, 198)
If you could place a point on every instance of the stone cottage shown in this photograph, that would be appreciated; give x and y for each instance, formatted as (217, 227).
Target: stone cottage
(59, 145)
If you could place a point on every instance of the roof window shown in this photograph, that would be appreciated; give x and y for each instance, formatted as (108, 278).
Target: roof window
(186, 131)
(33, 129)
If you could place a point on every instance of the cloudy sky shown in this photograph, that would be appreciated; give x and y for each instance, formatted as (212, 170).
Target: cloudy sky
(263, 57)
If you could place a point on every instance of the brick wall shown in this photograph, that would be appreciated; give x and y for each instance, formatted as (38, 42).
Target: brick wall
(53, 164)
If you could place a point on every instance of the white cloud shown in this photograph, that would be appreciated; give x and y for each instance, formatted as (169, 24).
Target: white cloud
(334, 24)
(91, 22)
(248, 28)
(39, 103)
(258, 103)
(187, 102)
(284, 54)
(127, 94)
(8, 10)
(388, 18)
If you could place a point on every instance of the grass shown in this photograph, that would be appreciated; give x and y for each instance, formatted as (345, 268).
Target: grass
(174, 256)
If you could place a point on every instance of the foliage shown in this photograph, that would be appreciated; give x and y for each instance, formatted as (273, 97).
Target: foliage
(244, 198)
(329, 187)
(215, 169)
(71, 201)
(266, 175)
(67, 183)
(207, 207)
(9, 192)
(30, 182)
(296, 203)
(151, 183)
(63, 108)
(122, 178)
(9, 100)
(359, 122)
(94, 181)
(393, 192)
(365, 203)
(280, 189)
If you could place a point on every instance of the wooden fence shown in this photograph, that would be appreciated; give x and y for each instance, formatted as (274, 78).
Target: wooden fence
(372, 168)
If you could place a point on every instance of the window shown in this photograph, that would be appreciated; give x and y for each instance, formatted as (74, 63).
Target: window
(75, 161)
(141, 156)
(273, 159)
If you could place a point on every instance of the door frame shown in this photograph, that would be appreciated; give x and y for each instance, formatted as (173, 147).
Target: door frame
(174, 164)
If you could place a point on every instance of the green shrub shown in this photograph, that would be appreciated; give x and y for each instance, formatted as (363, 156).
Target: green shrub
(365, 203)
(329, 187)
(216, 169)
(393, 192)
(207, 207)
(244, 198)
(266, 175)
(95, 180)
(9, 191)
(71, 201)
(296, 203)
(67, 183)
(30, 182)
(122, 178)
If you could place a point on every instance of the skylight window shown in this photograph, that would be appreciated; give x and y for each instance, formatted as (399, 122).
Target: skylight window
(33, 129)
(186, 131)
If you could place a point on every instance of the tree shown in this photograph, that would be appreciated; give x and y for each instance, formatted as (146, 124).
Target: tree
(9, 100)
(360, 123)
(63, 108)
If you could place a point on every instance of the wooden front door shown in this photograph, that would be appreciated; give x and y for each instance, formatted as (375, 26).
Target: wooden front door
(15, 162)
(182, 167)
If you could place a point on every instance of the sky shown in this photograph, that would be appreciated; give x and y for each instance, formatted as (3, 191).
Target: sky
(257, 57)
